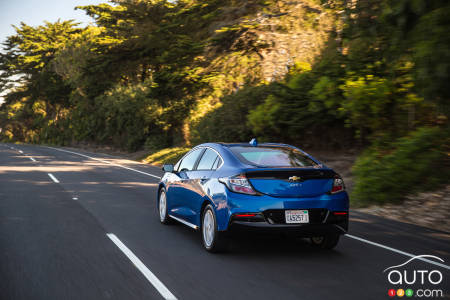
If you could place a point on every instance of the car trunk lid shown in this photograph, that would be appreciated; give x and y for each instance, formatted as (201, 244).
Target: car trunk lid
(291, 182)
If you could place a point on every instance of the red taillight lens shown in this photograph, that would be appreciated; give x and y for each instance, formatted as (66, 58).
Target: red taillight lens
(340, 213)
(238, 184)
(338, 185)
(244, 215)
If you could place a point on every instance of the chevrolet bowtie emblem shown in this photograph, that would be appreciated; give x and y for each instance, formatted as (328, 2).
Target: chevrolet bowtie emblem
(294, 178)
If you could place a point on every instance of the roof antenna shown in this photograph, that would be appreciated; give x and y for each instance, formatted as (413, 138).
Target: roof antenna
(254, 142)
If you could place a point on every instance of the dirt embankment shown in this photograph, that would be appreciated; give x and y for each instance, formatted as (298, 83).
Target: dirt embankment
(430, 209)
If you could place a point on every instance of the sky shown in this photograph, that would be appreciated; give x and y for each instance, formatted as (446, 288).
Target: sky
(35, 12)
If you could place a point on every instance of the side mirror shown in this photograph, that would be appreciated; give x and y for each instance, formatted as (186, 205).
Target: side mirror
(168, 168)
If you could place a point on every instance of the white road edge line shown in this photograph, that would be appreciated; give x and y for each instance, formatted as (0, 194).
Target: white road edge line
(107, 162)
(32, 159)
(162, 289)
(398, 251)
(53, 177)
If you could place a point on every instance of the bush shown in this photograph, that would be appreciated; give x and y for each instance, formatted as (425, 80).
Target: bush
(128, 118)
(228, 123)
(292, 114)
(414, 163)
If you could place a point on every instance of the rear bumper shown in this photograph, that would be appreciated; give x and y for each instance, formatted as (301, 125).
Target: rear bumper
(305, 230)
(329, 224)
(272, 208)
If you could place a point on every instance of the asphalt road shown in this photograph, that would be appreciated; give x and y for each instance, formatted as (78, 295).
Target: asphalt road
(90, 230)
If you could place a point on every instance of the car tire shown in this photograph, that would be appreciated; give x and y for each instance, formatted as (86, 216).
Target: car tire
(213, 240)
(325, 242)
(162, 207)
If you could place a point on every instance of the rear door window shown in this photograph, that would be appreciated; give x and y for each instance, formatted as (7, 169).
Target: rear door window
(188, 162)
(207, 161)
(272, 156)
(217, 163)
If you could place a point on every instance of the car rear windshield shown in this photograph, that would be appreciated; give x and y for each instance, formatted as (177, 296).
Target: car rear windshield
(272, 156)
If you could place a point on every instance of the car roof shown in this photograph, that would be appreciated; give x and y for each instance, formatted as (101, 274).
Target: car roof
(225, 151)
(220, 146)
(249, 145)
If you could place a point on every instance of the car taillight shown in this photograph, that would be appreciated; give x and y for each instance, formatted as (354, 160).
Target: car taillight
(244, 215)
(340, 213)
(338, 185)
(238, 184)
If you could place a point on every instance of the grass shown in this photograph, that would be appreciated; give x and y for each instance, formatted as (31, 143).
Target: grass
(167, 155)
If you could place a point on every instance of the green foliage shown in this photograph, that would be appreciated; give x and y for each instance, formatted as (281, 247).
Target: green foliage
(265, 117)
(27, 78)
(129, 116)
(325, 95)
(291, 114)
(420, 29)
(227, 123)
(413, 163)
(367, 102)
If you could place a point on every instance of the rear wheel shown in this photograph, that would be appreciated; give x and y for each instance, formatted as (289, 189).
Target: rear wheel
(326, 241)
(162, 207)
(213, 240)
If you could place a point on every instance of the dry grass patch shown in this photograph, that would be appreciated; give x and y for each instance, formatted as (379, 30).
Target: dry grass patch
(167, 155)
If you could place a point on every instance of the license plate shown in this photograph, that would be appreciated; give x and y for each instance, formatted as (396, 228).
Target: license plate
(296, 216)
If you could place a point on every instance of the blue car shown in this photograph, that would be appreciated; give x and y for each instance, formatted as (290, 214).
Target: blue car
(220, 188)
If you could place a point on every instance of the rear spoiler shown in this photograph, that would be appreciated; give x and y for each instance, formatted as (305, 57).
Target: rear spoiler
(285, 174)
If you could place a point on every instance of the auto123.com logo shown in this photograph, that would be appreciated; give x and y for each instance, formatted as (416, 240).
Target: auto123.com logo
(409, 281)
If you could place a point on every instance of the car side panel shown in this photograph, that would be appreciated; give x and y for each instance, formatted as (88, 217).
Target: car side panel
(174, 185)
(193, 195)
(215, 194)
